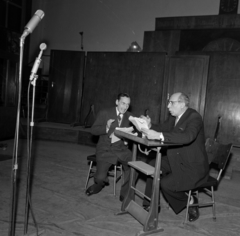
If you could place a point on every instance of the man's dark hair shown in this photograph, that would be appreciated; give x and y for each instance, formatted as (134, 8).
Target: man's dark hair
(120, 95)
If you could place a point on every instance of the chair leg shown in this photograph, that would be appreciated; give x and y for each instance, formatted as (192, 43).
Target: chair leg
(213, 206)
(121, 174)
(114, 180)
(89, 172)
(188, 201)
(197, 194)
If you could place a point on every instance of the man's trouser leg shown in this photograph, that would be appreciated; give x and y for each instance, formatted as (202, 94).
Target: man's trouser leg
(100, 177)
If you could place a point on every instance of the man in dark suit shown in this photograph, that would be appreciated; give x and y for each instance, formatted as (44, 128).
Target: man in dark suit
(110, 149)
(185, 166)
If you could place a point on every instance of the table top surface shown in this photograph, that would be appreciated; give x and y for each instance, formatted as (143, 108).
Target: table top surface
(144, 141)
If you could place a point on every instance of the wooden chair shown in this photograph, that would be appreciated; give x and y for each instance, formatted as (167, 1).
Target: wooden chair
(113, 173)
(218, 155)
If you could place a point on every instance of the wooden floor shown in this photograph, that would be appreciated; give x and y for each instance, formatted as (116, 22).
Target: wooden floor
(61, 207)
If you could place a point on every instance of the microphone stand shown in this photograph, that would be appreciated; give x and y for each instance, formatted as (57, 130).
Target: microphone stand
(12, 215)
(29, 145)
(33, 79)
(28, 29)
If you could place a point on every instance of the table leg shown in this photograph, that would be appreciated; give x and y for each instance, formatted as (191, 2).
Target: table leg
(151, 224)
(130, 194)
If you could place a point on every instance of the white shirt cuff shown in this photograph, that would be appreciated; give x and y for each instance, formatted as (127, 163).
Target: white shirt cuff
(161, 137)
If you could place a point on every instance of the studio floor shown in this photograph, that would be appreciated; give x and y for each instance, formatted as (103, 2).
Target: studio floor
(60, 206)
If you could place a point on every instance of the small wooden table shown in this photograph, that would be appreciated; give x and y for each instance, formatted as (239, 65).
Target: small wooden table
(148, 219)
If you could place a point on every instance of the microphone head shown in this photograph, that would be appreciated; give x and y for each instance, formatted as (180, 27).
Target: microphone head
(37, 17)
(43, 46)
(40, 14)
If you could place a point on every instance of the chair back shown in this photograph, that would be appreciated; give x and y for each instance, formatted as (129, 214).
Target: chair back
(218, 154)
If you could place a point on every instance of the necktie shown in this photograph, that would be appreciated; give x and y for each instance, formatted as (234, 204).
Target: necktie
(119, 118)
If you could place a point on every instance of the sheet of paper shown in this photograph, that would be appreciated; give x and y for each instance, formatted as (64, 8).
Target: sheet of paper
(128, 130)
(114, 138)
(139, 122)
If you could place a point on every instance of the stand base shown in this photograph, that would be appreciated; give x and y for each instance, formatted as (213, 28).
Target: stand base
(142, 233)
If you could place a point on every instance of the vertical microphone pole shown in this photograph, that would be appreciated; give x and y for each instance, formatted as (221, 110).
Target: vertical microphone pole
(12, 215)
(33, 78)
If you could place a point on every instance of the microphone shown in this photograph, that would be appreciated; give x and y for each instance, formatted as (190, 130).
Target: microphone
(37, 17)
(37, 62)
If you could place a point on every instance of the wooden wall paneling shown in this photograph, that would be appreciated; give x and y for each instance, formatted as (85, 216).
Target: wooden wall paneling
(65, 86)
(12, 84)
(187, 74)
(161, 41)
(3, 80)
(139, 74)
(8, 117)
(9, 79)
(223, 97)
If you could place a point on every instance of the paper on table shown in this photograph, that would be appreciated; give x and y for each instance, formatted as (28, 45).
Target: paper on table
(139, 123)
(128, 130)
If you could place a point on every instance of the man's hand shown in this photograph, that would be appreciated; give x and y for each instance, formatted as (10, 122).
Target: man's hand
(151, 134)
(109, 122)
(148, 119)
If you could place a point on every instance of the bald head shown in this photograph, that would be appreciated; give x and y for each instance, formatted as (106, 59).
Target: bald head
(183, 98)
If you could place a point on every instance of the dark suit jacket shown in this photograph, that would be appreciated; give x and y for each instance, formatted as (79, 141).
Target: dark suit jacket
(107, 151)
(189, 162)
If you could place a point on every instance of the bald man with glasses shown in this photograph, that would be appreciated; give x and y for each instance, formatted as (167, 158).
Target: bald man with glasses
(185, 166)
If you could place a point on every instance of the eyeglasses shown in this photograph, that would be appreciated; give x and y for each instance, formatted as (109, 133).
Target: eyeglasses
(172, 102)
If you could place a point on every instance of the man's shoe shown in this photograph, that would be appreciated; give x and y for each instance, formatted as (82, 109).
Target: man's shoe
(89, 192)
(94, 189)
(193, 211)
